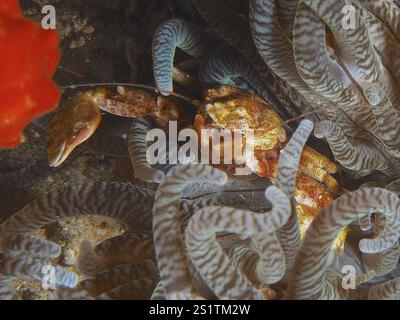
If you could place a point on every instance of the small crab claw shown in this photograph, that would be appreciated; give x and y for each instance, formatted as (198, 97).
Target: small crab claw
(72, 125)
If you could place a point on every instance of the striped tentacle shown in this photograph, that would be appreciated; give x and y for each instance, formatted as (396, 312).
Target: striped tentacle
(382, 262)
(388, 127)
(128, 204)
(24, 243)
(126, 248)
(175, 33)
(207, 255)
(389, 290)
(290, 157)
(245, 260)
(323, 74)
(384, 41)
(289, 234)
(365, 66)
(262, 262)
(357, 156)
(356, 50)
(167, 228)
(286, 15)
(267, 43)
(234, 29)
(34, 268)
(387, 11)
(137, 146)
(189, 207)
(277, 52)
(224, 66)
(308, 278)
(320, 71)
(272, 267)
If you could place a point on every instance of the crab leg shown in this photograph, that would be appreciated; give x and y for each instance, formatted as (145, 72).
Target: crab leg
(132, 103)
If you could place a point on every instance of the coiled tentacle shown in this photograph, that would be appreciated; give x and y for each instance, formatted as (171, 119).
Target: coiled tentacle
(262, 262)
(365, 223)
(385, 42)
(168, 239)
(360, 156)
(224, 66)
(383, 262)
(221, 276)
(175, 33)
(356, 50)
(308, 278)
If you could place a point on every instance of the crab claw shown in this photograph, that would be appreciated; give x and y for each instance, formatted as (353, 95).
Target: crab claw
(72, 125)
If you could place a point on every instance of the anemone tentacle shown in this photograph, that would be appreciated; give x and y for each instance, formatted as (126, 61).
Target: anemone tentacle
(175, 33)
(310, 269)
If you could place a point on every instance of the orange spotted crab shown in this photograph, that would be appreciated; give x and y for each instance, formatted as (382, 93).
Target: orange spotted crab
(230, 108)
